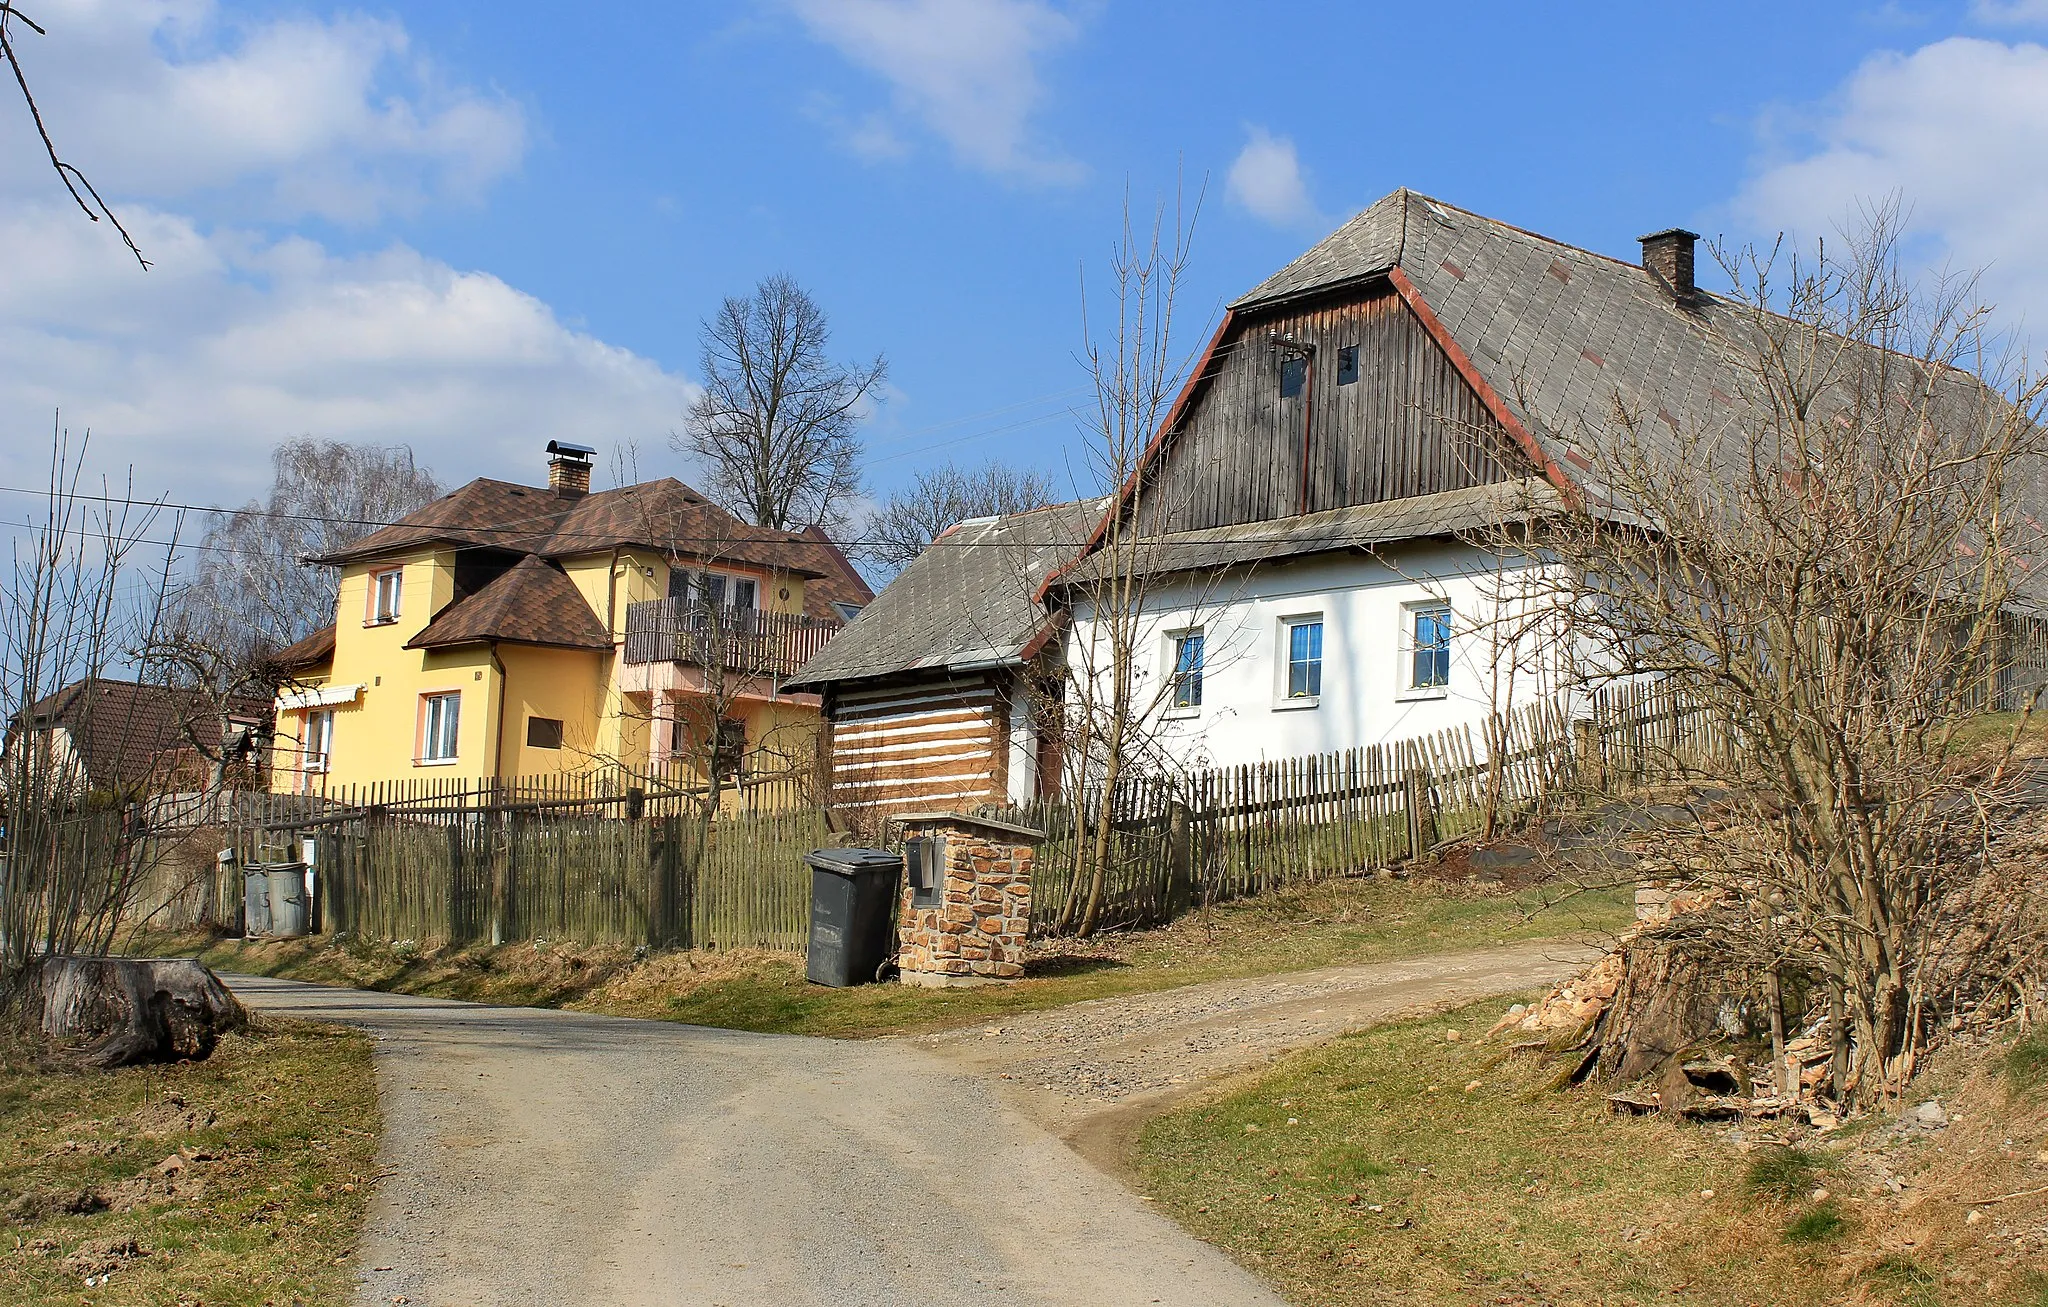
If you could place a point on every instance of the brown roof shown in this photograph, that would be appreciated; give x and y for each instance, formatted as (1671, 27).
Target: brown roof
(833, 580)
(533, 603)
(493, 514)
(127, 733)
(308, 653)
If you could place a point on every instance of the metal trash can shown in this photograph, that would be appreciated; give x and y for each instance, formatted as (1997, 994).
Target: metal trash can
(853, 914)
(255, 899)
(288, 909)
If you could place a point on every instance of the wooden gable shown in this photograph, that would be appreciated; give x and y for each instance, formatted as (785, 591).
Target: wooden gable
(1407, 424)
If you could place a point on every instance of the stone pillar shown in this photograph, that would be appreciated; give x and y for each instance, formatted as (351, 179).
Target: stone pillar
(971, 927)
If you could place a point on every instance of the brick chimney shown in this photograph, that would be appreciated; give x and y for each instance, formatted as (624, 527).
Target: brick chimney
(569, 469)
(1668, 254)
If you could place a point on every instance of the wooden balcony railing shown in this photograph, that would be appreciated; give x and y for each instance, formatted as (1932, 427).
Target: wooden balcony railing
(744, 641)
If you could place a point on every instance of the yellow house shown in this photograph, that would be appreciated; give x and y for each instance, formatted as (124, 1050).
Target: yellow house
(508, 632)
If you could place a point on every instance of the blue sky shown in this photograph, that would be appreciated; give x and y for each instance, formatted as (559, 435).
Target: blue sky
(471, 227)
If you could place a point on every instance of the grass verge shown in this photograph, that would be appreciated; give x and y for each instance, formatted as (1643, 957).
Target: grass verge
(1344, 921)
(240, 1180)
(1400, 1166)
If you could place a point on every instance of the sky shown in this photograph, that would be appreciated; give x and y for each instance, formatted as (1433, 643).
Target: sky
(472, 227)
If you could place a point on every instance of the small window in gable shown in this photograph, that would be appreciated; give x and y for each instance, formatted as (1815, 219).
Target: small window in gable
(384, 595)
(1293, 376)
(1347, 365)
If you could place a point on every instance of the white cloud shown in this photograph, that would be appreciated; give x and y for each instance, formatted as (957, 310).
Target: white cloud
(1958, 128)
(2010, 13)
(192, 371)
(966, 69)
(169, 99)
(1267, 180)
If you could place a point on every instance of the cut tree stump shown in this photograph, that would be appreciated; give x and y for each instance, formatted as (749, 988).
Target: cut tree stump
(134, 1010)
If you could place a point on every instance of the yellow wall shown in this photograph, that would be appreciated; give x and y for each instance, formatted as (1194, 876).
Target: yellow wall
(376, 736)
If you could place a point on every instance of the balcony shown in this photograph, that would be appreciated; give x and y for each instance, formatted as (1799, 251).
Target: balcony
(743, 641)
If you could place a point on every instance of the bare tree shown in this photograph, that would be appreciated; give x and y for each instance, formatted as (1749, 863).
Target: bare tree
(1107, 703)
(75, 182)
(777, 424)
(249, 592)
(1839, 575)
(940, 497)
(69, 612)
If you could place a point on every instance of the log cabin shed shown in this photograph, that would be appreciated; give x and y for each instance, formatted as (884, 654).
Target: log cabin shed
(927, 693)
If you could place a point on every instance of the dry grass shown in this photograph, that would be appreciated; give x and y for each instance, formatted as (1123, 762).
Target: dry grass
(1397, 1166)
(1342, 921)
(240, 1180)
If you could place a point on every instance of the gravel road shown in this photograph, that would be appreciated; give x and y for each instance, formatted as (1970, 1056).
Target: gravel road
(1094, 1072)
(535, 1156)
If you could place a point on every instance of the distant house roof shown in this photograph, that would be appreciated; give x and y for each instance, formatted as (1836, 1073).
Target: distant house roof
(1451, 513)
(663, 514)
(968, 601)
(532, 603)
(123, 732)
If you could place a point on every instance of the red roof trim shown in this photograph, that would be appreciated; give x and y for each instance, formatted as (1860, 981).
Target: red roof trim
(1152, 450)
(1552, 472)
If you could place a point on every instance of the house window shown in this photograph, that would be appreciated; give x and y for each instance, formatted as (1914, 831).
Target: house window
(384, 588)
(1301, 643)
(543, 732)
(1293, 376)
(1187, 670)
(440, 723)
(714, 589)
(847, 612)
(1347, 365)
(1429, 648)
(319, 742)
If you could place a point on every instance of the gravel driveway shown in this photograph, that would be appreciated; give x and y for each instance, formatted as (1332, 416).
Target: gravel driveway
(536, 1156)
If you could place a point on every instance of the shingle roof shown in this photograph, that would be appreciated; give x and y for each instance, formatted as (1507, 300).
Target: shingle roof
(126, 733)
(833, 578)
(967, 600)
(312, 651)
(532, 603)
(663, 514)
(1453, 512)
(1563, 336)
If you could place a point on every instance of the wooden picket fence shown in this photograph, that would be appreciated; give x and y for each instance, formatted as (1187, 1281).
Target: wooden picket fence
(596, 859)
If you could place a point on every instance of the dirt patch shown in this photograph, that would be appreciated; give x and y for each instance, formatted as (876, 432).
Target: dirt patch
(169, 1116)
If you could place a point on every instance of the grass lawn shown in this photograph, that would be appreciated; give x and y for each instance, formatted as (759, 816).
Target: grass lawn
(238, 1180)
(1343, 921)
(1398, 1166)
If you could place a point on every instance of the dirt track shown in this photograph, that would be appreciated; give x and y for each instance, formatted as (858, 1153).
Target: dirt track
(1094, 1073)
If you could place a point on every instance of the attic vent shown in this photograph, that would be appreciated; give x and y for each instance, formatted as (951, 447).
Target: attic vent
(1668, 255)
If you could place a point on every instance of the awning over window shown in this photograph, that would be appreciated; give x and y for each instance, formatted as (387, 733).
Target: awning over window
(327, 696)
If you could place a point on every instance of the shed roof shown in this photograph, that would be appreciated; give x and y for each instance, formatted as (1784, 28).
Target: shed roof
(968, 601)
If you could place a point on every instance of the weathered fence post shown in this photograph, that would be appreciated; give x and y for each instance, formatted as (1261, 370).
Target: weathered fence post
(1180, 856)
(497, 831)
(1421, 814)
(1591, 770)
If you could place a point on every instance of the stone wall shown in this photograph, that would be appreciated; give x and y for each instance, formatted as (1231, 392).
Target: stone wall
(976, 933)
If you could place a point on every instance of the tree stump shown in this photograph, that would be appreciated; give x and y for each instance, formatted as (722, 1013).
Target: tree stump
(134, 1010)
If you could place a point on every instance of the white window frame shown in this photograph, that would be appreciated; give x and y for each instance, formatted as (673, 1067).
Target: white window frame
(1284, 663)
(436, 729)
(1170, 656)
(318, 748)
(379, 615)
(1405, 689)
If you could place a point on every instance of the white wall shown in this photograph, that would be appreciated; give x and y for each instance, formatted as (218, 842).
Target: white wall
(1497, 660)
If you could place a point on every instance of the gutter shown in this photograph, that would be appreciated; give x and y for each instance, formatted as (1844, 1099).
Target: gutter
(498, 749)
